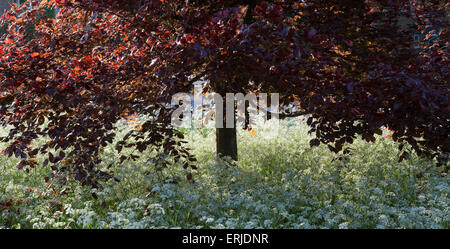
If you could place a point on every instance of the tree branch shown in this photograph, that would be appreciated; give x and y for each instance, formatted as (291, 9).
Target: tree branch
(284, 115)
(249, 14)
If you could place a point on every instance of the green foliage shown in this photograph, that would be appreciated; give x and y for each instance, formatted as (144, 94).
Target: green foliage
(50, 12)
(3, 30)
(279, 182)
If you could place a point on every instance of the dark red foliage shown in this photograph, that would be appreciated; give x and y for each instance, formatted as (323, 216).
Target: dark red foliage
(352, 65)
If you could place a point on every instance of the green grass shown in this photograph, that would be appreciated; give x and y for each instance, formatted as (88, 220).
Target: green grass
(279, 182)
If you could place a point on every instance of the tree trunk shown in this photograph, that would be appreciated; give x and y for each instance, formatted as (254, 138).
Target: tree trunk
(226, 141)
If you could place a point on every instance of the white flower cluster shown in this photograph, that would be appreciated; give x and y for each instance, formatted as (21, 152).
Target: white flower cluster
(279, 182)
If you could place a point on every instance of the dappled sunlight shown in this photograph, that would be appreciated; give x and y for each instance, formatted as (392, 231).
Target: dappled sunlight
(277, 183)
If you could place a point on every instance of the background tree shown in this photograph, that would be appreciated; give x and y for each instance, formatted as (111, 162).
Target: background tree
(348, 63)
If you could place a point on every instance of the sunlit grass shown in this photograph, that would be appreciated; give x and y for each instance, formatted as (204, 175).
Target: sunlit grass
(279, 182)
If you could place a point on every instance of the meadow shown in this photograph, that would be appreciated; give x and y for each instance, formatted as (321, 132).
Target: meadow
(279, 182)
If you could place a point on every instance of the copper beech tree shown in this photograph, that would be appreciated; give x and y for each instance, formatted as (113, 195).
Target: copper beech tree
(351, 65)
